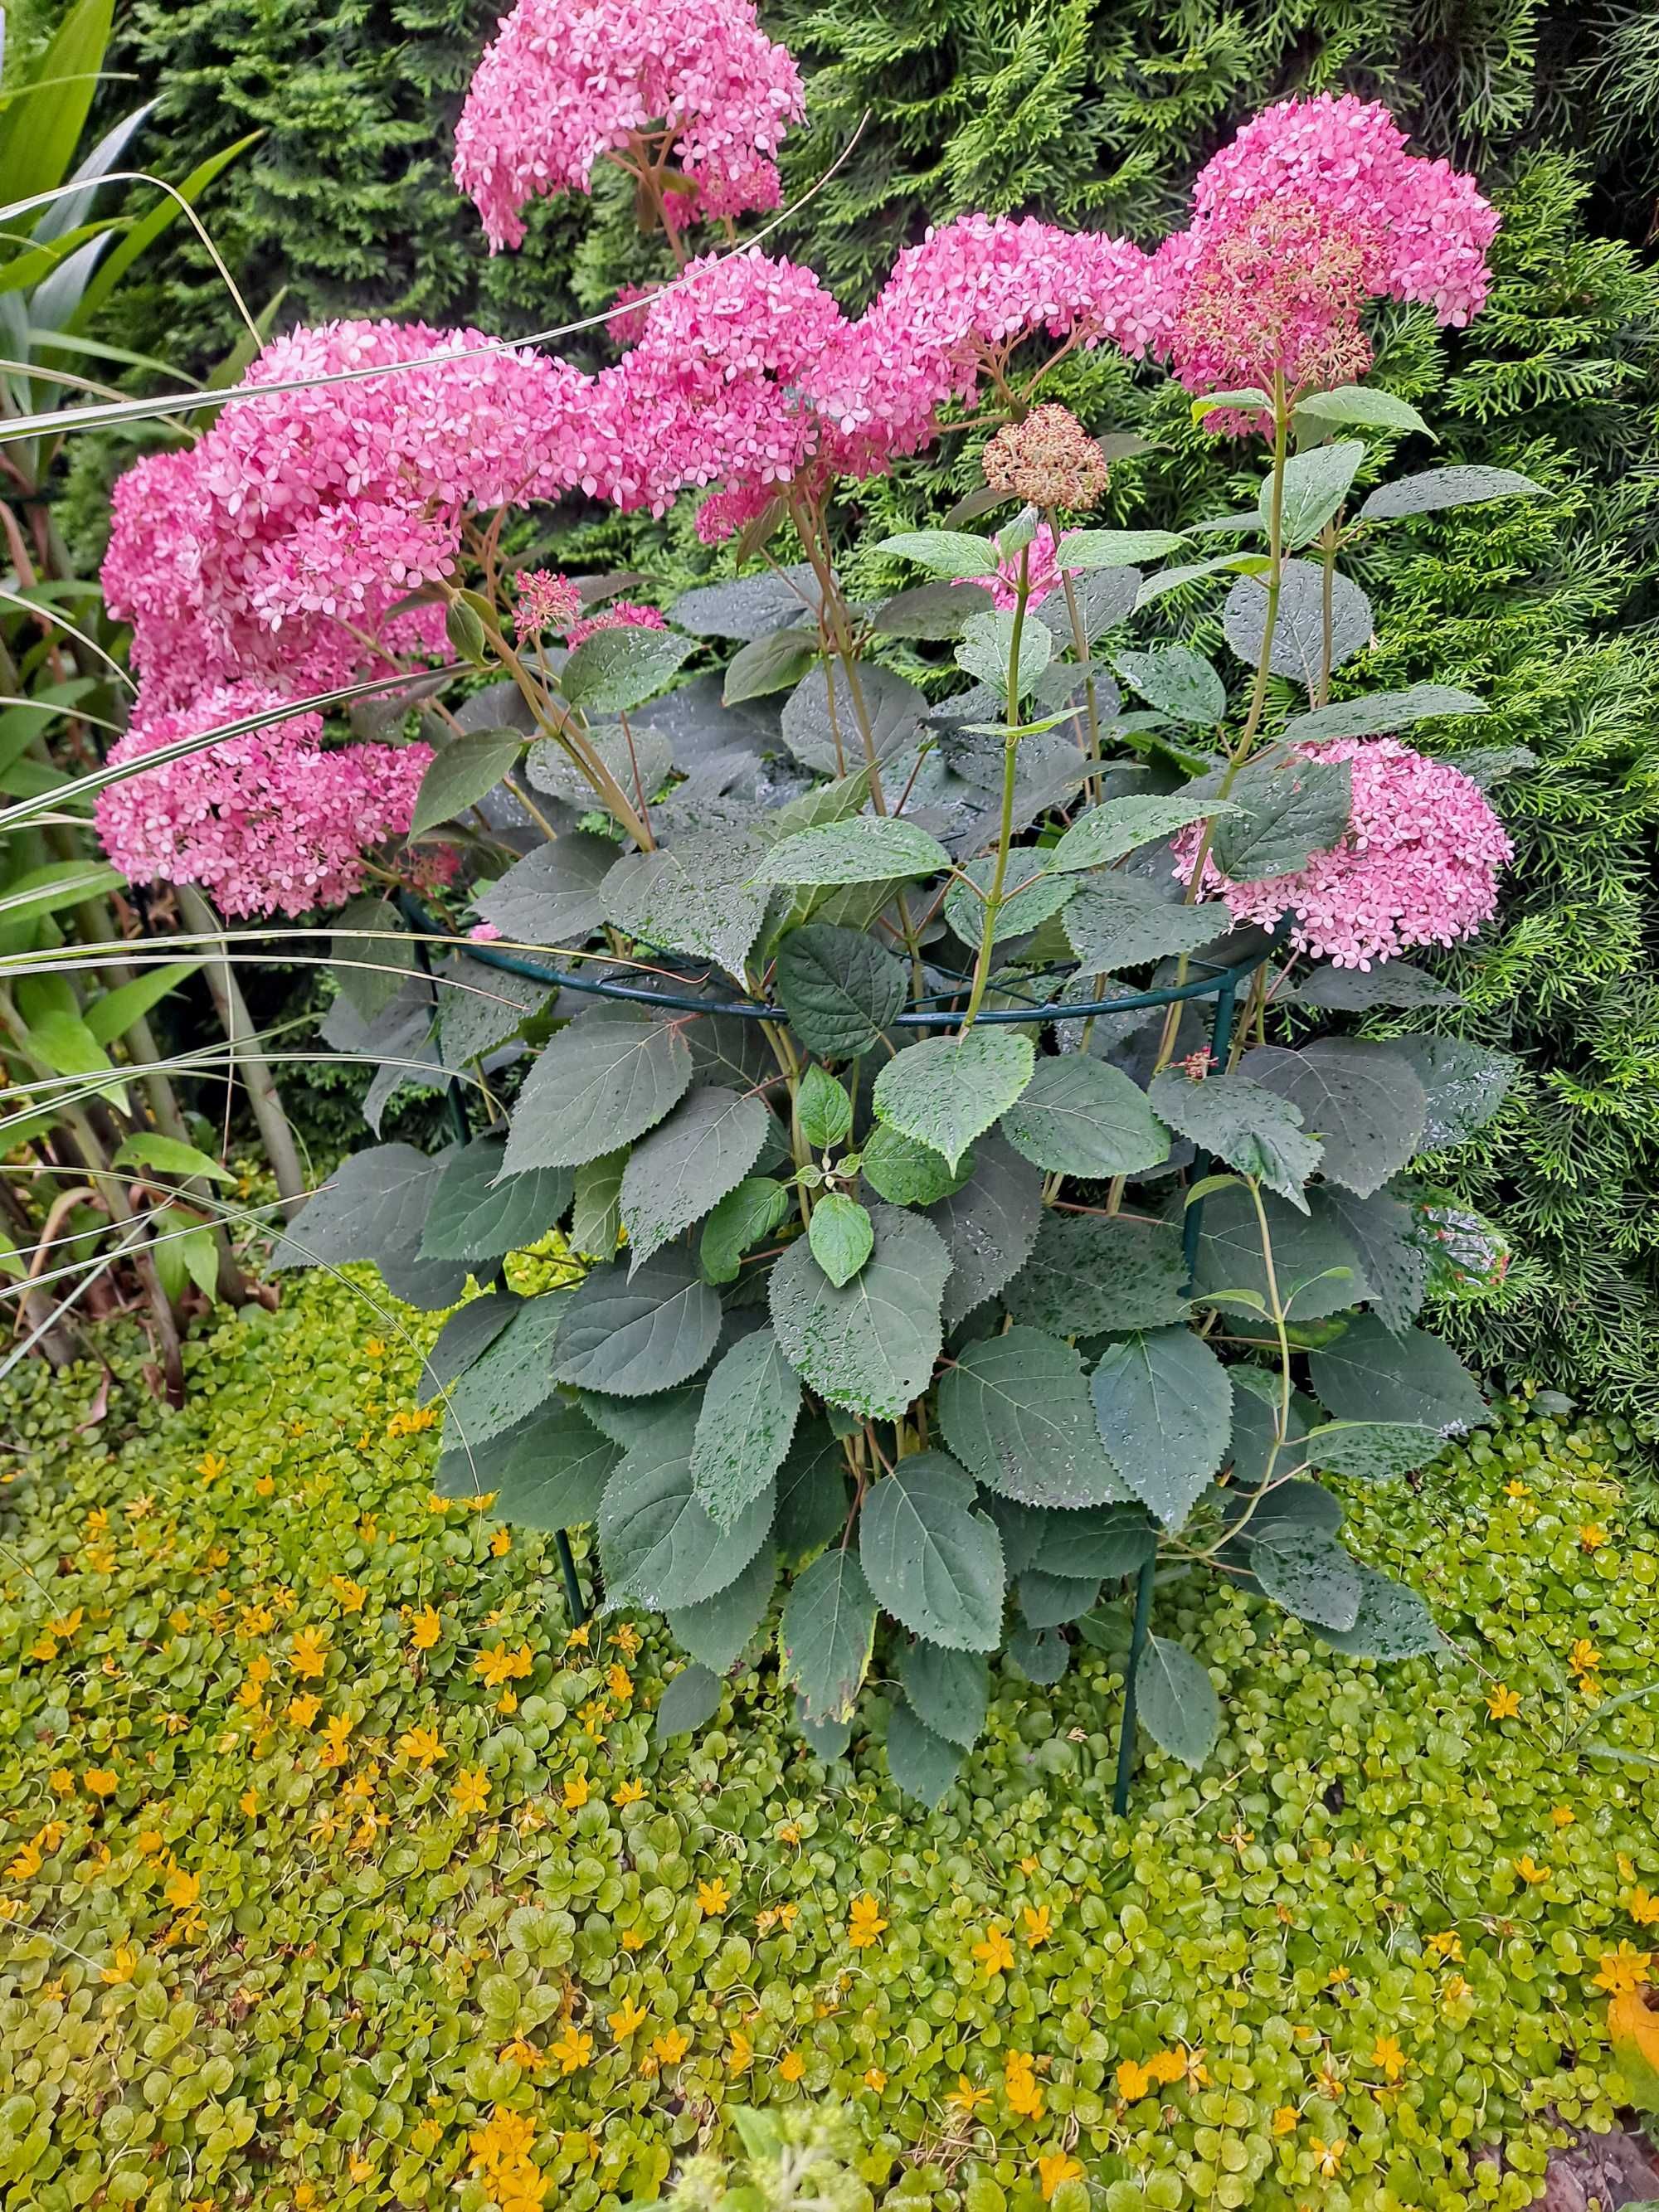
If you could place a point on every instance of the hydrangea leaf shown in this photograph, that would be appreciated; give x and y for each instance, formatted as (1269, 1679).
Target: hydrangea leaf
(949, 1691)
(1165, 1408)
(657, 1546)
(948, 1090)
(606, 1080)
(632, 1334)
(478, 1213)
(1015, 1409)
(719, 1630)
(826, 1634)
(838, 988)
(924, 1765)
(1363, 1101)
(1176, 1702)
(869, 1346)
(1078, 1117)
(743, 1430)
(1244, 1123)
(932, 1560)
(690, 1162)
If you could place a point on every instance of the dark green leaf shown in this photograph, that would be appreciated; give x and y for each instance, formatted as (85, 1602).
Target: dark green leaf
(1015, 1409)
(949, 1691)
(1118, 921)
(1464, 1086)
(1394, 1623)
(1298, 648)
(871, 1347)
(552, 895)
(471, 765)
(1438, 488)
(1366, 405)
(462, 1339)
(1245, 1124)
(949, 1090)
(743, 1217)
(555, 1471)
(986, 650)
(1377, 712)
(369, 967)
(375, 1201)
(603, 1081)
(1048, 1600)
(1109, 832)
(1177, 1702)
(932, 610)
(618, 669)
(826, 1636)
(1374, 1451)
(909, 1174)
(1315, 484)
(1085, 550)
(1287, 811)
(867, 848)
(1181, 682)
(922, 1763)
(747, 606)
(1041, 1655)
(1315, 1265)
(717, 1630)
(1077, 1116)
(480, 1007)
(1382, 1232)
(692, 1698)
(1103, 1543)
(775, 662)
(930, 1559)
(596, 1216)
(635, 1334)
(1029, 898)
(1094, 1273)
(839, 988)
(840, 1236)
(478, 1213)
(688, 1163)
(1358, 991)
(945, 552)
(823, 721)
(512, 1377)
(990, 1225)
(749, 1415)
(657, 1545)
(1364, 1102)
(812, 1494)
(1372, 1375)
(1165, 1408)
(693, 897)
(1307, 1571)
(639, 758)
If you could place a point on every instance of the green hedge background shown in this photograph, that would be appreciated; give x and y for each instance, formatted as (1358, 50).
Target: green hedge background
(1099, 114)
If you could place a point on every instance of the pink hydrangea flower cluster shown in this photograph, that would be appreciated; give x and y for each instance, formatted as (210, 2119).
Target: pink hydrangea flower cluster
(568, 82)
(1417, 865)
(621, 614)
(545, 601)
(1313, 208)
(269, 822)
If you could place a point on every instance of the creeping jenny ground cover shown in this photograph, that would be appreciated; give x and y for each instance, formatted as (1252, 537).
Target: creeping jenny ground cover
(338, 1874)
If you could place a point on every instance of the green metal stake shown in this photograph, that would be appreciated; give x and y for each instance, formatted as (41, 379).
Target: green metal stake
(575, 1602)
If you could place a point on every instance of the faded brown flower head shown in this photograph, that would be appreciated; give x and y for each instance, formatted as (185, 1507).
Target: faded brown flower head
(1047, 460)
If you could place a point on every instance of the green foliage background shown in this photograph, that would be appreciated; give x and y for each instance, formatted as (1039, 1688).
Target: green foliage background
(1099, 113)
(216, 1984)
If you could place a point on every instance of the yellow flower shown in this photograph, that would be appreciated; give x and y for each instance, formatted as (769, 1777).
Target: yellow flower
(1387, 2054)
(1452, 1989)
(421, 1746)
(309, 1647)
(264, 1485)
(1019, 2086)
(1583, 1658)
(1167, 2066)
(1642, 1909)
(1329, 2157)
(500, 1544)
(350, 1594)
(791, 2066)
(210, 1467)
(122, 1967)
(1134, 2081)
(1503, 1704)
(1038, 1927)
(26, 1864)
(578, 1638)
(967, 2099)
(1592, 1536)
(620, 1683)
(101, 1781)
(627, 1793)
(1055, 2169)
(304, 1708)
(61, 1780)
(865, 1924)
(498, 1665)
(1286, 2120)
(1624, 1970)
(181, 1889)
(1517, 1489)
(576, 1792)
(1528, 1870)
(875, 2079)
(1338, 1975)
(1563, 1817)
(714, 1896)
(670, 2046)
(374, 1349)
(789, 1832)
(1448, 1944)
(632, 1939)
(741, 2056)
(995, 1953)
(336, 1738)
(523, 2053)
(624, 2021)
(249, 1801)
(472, 1790)
(573, 2050)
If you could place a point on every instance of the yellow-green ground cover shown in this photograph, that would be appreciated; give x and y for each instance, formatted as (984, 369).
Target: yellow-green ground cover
(338, 1874)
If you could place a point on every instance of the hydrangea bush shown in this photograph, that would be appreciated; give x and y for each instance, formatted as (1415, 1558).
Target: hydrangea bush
(907, 1062)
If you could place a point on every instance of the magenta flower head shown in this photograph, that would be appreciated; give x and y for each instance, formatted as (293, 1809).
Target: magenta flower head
(1418, 864)
(268, 822)
(568, 81)
(621, 614)
(545, 601)
(1315, 208)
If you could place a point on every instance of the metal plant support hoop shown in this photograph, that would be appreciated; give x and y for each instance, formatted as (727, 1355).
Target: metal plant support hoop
(1223, 984)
